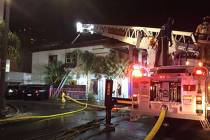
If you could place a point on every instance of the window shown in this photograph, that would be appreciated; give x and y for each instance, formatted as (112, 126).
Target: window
(189, 87)
(71, 59)
(166, 91)
(52, 59)
(172, 71)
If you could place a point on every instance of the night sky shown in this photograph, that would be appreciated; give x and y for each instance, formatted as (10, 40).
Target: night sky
(55, 19)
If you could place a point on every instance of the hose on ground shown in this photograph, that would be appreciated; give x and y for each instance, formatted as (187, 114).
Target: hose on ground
(157, 125)
(8, 120)
(81, 103)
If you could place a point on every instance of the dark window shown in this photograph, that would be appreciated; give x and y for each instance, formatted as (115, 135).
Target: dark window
(52, 59)
(171, 71)
(71, 59)
(189, 87)
(172, 94)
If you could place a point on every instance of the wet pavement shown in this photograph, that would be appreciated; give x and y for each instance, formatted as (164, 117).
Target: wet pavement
(172, 129)
(34, 129)
(124, 130)
(178, 129)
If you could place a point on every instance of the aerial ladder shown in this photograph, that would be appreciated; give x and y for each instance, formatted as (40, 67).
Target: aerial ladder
(141, 37)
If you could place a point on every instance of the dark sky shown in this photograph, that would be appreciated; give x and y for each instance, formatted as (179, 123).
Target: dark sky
(55, 19)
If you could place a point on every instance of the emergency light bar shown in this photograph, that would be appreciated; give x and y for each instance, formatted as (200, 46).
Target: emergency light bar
(139, 71)
(200, 72)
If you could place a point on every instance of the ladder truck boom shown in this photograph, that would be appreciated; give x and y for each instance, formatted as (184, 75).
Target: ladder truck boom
(140, 36)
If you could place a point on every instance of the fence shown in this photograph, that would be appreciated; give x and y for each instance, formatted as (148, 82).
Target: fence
(75, 91)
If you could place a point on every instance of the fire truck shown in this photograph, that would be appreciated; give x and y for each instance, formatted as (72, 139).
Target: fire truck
(183, 87)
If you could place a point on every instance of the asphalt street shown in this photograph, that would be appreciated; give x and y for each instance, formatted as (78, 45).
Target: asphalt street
(69, 127)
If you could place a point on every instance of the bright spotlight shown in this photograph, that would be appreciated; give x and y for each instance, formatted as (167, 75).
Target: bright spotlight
(79, 27)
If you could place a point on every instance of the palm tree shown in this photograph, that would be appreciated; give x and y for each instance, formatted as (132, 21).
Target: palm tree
(112, 65)
(9, 48)
(99, 67)
(78, 69)
(13, 48)
(54, 73)
(87, 59)
(87, 63)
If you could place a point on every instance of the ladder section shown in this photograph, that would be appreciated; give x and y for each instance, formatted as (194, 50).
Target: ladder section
(140, 36)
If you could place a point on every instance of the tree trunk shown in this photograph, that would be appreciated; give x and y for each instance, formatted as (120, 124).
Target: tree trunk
(3, 59)
(2, 86)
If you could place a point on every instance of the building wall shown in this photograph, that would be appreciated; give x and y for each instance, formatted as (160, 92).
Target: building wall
(40, 59)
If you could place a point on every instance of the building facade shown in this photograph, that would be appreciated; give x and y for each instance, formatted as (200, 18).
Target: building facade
(97, 86)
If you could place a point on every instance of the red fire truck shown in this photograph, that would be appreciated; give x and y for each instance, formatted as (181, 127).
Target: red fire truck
(183, 87)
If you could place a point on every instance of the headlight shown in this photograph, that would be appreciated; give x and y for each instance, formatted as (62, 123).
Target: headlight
(10, 91)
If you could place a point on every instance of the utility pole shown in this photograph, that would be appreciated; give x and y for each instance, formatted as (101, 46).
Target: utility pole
(1, 10)
(6, 14)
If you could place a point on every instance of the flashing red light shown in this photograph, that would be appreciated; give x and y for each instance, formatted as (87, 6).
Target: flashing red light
(134, 95)
(162, 76)
(137, 73)
(199, 72)
(136, 66)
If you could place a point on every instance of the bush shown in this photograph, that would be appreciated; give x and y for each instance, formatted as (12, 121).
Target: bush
(91, 97)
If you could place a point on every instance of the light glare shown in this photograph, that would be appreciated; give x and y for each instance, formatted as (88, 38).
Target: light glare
(79, 27)
(200, 64)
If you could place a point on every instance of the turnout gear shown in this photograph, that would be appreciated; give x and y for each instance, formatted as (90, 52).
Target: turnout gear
(164, 38)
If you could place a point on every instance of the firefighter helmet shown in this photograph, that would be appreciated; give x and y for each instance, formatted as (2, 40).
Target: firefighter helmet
(206, 19)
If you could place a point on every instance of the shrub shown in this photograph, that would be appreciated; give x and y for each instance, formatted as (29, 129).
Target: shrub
(91, 97)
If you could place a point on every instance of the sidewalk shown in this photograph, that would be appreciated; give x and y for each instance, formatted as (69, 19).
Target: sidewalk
(9, 111)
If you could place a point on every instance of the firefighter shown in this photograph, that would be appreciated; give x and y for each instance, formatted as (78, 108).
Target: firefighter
(202, 35)
(203, 29)
(119, 90)
(63, 98)
(163, 39)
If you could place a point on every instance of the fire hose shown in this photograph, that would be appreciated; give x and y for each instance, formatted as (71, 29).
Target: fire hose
(94, 105)
(16, 119)
(157, 125)
(81, 103)
(8, 120)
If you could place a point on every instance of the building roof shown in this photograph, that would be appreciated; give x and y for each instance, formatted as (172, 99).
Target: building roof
(82, 41)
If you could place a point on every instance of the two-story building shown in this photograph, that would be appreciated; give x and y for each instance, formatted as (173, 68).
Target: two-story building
(96, 45)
